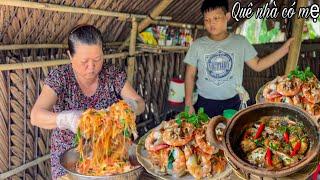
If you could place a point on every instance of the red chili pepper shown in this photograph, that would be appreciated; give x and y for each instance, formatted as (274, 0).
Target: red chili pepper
(296, 149)
(259, 132)
(269, 157)
(286, 137)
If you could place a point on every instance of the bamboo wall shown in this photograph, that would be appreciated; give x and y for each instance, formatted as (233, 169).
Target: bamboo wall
(22, 142)
(153, 73)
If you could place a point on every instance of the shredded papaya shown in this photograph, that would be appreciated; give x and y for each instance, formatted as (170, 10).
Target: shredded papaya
(106, 133)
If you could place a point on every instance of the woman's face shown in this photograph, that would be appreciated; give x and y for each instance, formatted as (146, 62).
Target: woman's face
(87, 60)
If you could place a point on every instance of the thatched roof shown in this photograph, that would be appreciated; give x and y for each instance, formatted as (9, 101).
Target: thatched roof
(32, 26)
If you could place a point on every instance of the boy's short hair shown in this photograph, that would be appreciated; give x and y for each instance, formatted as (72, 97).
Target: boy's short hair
(209, 5)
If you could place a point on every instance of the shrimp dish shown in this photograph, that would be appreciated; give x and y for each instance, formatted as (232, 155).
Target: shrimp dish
(299, 88)
(274, 142)
(177, 147)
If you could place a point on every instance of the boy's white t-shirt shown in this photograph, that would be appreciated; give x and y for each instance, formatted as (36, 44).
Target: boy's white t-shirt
(219, 64)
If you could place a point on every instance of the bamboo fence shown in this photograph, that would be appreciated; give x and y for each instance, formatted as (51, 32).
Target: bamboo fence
(24, 153)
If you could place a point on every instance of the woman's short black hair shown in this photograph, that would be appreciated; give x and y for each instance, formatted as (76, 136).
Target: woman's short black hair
(85, 34)
(209, 5)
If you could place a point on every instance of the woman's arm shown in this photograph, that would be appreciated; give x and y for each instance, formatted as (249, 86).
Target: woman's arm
(41, 113)
(128, 92)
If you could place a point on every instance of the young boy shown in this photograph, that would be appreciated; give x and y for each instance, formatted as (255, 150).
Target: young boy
(218, 61)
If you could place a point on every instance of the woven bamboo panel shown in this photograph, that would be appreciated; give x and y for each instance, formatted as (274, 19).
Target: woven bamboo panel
(4, 120)
(153, 73)
(17, 124)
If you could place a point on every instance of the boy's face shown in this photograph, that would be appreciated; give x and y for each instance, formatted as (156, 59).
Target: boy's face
(216, 21)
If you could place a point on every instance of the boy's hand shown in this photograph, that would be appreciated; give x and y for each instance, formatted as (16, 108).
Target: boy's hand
(191, 110)
(286, 45)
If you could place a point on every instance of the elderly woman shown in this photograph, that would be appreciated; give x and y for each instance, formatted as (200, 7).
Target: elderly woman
(70, 89)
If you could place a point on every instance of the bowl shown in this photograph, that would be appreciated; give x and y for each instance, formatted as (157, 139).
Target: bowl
(69, 159)
(230, 142)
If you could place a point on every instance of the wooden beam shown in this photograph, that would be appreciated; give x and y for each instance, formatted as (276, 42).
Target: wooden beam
(146, 22)
(11, 47)
(69, 9)
(24, 167)
(297, 29)
(32, 46)
(132, 50)
(160, 49)
(180, 25)
(48, 63)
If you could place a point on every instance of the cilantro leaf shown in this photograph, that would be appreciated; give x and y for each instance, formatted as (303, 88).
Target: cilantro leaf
(77, 137)
(122, 121)
(126, 133)
(170, 160)
(179, 121)
(303, 75)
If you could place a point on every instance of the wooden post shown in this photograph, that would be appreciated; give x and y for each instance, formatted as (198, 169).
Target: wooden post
(132, 50)
(297, 27)
(146, 22)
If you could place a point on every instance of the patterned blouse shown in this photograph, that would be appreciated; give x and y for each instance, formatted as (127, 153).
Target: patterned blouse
(70, 97)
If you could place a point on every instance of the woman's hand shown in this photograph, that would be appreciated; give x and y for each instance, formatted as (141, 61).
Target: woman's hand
(69, 120)
(132, 104)
(132, 98)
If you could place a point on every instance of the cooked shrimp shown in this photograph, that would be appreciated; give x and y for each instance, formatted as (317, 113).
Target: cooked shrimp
(289, 87)
(313, 109)
(179, 135)
(250, 133)
(287, 160)
(218, 164)
(257, 156)
(270, 91)
(177, 167)
(247, 145)
(312, 94)
(198, 163)
(159, 160)
(276, 162)
(297, 100)
(154, 141)
(202, 143)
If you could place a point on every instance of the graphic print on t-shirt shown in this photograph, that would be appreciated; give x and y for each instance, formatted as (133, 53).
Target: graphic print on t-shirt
(219, 66)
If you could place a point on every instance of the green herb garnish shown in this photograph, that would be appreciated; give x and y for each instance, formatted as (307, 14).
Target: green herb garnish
(170, 160)
(274, 147)
(282, 129)
(179, 121)
(122, 121)
(303, 75)
(259, 143)
(196, 119)
(77, 138)
(126, 133)
(81, 158)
